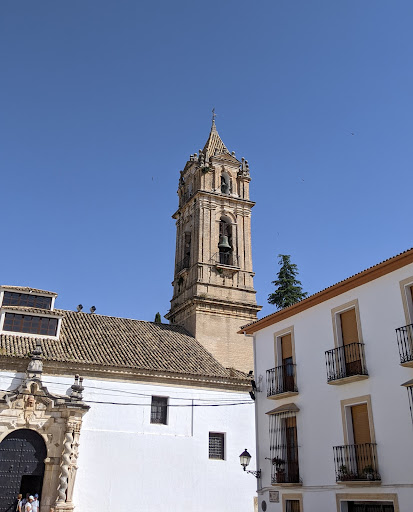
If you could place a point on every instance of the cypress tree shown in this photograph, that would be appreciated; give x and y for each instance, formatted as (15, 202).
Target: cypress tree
(158, 319)
(288, 289)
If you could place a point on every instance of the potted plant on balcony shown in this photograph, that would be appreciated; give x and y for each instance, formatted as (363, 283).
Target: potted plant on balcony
(343, 473)
(369, 472)
(279, 468)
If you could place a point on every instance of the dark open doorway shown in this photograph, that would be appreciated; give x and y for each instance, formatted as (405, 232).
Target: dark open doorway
(22, 455)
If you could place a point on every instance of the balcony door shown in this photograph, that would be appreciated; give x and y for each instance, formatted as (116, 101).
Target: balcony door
(350, 339)
(362, 437)
(287, 363)
(291, 449)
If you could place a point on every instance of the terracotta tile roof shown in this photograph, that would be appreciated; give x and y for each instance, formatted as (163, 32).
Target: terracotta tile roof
(27, 289)
(123, 343)
(36, 311)
(365, 276)
(214, 144)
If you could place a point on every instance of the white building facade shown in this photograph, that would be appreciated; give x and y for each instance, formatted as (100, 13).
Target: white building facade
(155, 423)
(333, 422)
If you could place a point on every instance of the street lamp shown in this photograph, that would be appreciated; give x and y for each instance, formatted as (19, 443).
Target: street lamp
(245, 458)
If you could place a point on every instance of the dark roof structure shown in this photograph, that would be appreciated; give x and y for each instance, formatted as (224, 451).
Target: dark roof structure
(104, 343)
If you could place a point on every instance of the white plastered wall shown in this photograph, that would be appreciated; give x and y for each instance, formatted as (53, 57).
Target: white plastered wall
(126, 462)
(319, 421)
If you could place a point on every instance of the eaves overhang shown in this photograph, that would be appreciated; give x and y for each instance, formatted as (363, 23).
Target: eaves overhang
(370, 274)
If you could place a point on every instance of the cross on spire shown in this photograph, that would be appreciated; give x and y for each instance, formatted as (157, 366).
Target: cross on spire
(213, 117)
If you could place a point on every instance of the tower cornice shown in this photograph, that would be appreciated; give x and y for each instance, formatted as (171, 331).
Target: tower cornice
(214, 195)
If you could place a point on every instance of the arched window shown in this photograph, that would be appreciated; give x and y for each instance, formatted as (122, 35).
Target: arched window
(225, 183)
(187, 249)
(225, 245)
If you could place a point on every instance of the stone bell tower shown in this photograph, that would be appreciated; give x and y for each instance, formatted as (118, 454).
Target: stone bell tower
(213, 283)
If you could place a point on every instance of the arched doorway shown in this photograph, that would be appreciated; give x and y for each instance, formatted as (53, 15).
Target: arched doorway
(22, 455)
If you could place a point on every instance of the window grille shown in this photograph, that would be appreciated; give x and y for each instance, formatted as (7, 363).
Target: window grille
(360, 506)
(284, 448)
(159, 409)
(292, 506)
(216, 446)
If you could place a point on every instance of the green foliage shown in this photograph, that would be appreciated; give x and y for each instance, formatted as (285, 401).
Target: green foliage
(288, 288)
(158, 319)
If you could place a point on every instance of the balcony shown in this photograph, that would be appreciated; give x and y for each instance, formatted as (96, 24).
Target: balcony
(285, 472)
(346, 364)
(405, 343)
(281, 381)
(356, 462)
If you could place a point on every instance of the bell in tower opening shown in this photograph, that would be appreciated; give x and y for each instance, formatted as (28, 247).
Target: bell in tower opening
(214, 292)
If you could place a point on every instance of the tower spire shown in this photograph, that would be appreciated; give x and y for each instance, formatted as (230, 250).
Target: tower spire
(213, 127)
(214, 145)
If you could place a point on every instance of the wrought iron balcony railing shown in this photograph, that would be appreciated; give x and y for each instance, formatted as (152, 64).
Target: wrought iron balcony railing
(182, 264)
(405, 342)
(225, 258)
(346, 361)
(356, 462)
(281, 380)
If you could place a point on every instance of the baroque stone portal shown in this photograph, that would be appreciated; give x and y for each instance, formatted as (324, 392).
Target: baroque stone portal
(58, 420)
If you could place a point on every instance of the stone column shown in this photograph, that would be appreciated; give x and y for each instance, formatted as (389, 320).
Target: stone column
(62, 505)
(73, 463)
(50, 479)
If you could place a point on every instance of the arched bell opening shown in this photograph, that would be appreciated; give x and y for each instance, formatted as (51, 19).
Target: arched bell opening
(187, 249)
(22, 456)
(225, 245)
(225, 183)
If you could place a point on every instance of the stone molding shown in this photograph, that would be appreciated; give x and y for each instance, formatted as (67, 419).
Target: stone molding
(57, 419)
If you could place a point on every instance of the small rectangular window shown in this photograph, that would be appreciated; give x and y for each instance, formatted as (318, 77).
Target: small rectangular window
(292, 506)
(159, 410)
(216, 445)
(30, 324)
(26, 300)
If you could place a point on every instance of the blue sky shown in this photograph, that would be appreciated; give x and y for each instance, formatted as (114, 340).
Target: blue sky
(102, 103)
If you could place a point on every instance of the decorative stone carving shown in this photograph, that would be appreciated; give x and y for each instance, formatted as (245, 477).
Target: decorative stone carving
(58, 419)
(64, 474)
(244, 170)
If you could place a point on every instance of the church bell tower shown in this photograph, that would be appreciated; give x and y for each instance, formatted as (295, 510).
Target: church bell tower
(213, 283)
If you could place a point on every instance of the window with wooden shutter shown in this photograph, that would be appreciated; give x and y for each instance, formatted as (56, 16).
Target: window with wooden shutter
(284, 445)
(286, 347)
(362, 437)
(350, 340)
(287, 370)
(349, 332)
(361, 425)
